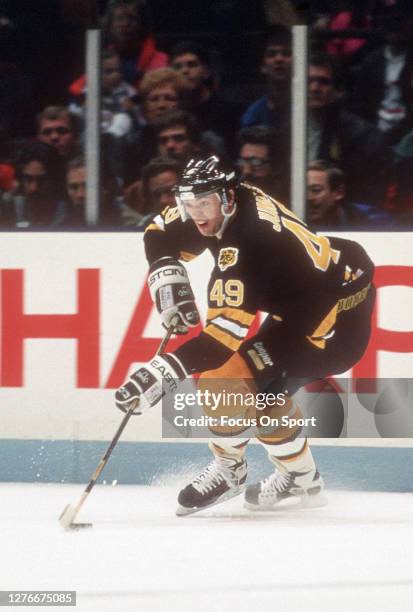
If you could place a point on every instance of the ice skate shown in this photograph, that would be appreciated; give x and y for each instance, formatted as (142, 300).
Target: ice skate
(306, 487)
(221, 480)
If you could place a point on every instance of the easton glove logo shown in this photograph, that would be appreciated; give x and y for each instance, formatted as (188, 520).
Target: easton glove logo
(227, 257)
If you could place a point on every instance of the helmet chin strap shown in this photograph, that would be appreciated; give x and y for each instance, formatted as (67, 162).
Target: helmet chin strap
(227, 215)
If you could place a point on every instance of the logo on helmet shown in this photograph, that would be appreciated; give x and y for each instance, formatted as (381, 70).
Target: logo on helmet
(227, 257)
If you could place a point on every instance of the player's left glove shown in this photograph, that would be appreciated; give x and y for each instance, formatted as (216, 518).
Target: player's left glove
(149, 383)
(170, 290)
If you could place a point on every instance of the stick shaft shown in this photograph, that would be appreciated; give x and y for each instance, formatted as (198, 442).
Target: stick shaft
(118, 433)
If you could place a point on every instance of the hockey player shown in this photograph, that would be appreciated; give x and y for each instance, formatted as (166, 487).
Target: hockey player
(319, 295)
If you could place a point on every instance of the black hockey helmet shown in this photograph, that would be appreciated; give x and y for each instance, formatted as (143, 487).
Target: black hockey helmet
(203, 177)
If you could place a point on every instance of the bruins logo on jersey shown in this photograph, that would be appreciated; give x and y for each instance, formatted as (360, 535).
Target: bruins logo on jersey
(227, 257)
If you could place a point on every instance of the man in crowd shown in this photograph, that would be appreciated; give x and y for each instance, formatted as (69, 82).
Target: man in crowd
(203, 99)
(153, 193)
(56, 126)
(327, 205)
(273, 108)
(260, 162)
(177, 135)
(38, 201)
(341, 137)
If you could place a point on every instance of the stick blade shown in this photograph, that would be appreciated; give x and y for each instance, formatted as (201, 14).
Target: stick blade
(67, 516)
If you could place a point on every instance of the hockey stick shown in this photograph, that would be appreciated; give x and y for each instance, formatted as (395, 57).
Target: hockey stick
(70, 512)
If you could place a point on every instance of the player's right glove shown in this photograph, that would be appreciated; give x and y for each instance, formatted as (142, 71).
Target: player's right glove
(170, 290)
(147, 385)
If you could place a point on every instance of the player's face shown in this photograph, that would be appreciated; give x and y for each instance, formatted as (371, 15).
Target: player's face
(205, 212)
(321, 199)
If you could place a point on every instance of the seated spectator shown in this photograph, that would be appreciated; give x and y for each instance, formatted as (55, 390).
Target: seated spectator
(158, 179)
(260, 162)
(118, 100)
(273, 109)
(203, 98)
(75, 215)
(125, 33)
(327, 203)
(151, 195)
(160, 91)
(177, 136)
(383, 91)
(38, 200)
(57, 127)
(336, 135)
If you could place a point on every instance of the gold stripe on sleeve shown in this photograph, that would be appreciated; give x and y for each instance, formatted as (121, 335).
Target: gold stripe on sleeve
(234, 314)
(223, 337)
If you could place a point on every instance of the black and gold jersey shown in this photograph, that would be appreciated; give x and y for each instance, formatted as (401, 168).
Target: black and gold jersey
(267, 260)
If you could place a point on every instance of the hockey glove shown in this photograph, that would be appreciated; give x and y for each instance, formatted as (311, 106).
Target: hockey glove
(170, 290)
(150, 383)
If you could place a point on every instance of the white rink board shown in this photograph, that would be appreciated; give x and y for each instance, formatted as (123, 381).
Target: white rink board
(49, 404)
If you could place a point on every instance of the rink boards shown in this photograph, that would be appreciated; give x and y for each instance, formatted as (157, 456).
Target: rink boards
(76, 316)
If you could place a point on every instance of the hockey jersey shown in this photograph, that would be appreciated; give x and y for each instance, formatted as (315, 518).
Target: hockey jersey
(267, 260)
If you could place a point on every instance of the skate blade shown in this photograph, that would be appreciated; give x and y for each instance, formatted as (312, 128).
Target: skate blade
(302, 502)
(183, 511)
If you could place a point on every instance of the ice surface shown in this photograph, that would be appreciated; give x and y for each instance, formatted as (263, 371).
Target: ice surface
(355, 554)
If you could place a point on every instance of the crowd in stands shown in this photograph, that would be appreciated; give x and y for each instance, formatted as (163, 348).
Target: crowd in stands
(206, 78)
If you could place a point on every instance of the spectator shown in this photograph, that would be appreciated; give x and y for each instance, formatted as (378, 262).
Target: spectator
(177, 135)
(125, 33)
(38, 201)
(118, 99)
(326, 200)
(383, 92)
(75, 217)
(273, 109)
(158, 179)
(203, 98)
(56, 127)
(161, 91)
(151, 195)
(344, 138)
(260, 162)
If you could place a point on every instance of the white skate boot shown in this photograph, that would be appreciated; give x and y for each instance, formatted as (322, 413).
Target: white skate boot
(307, 487)
(222, 479)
